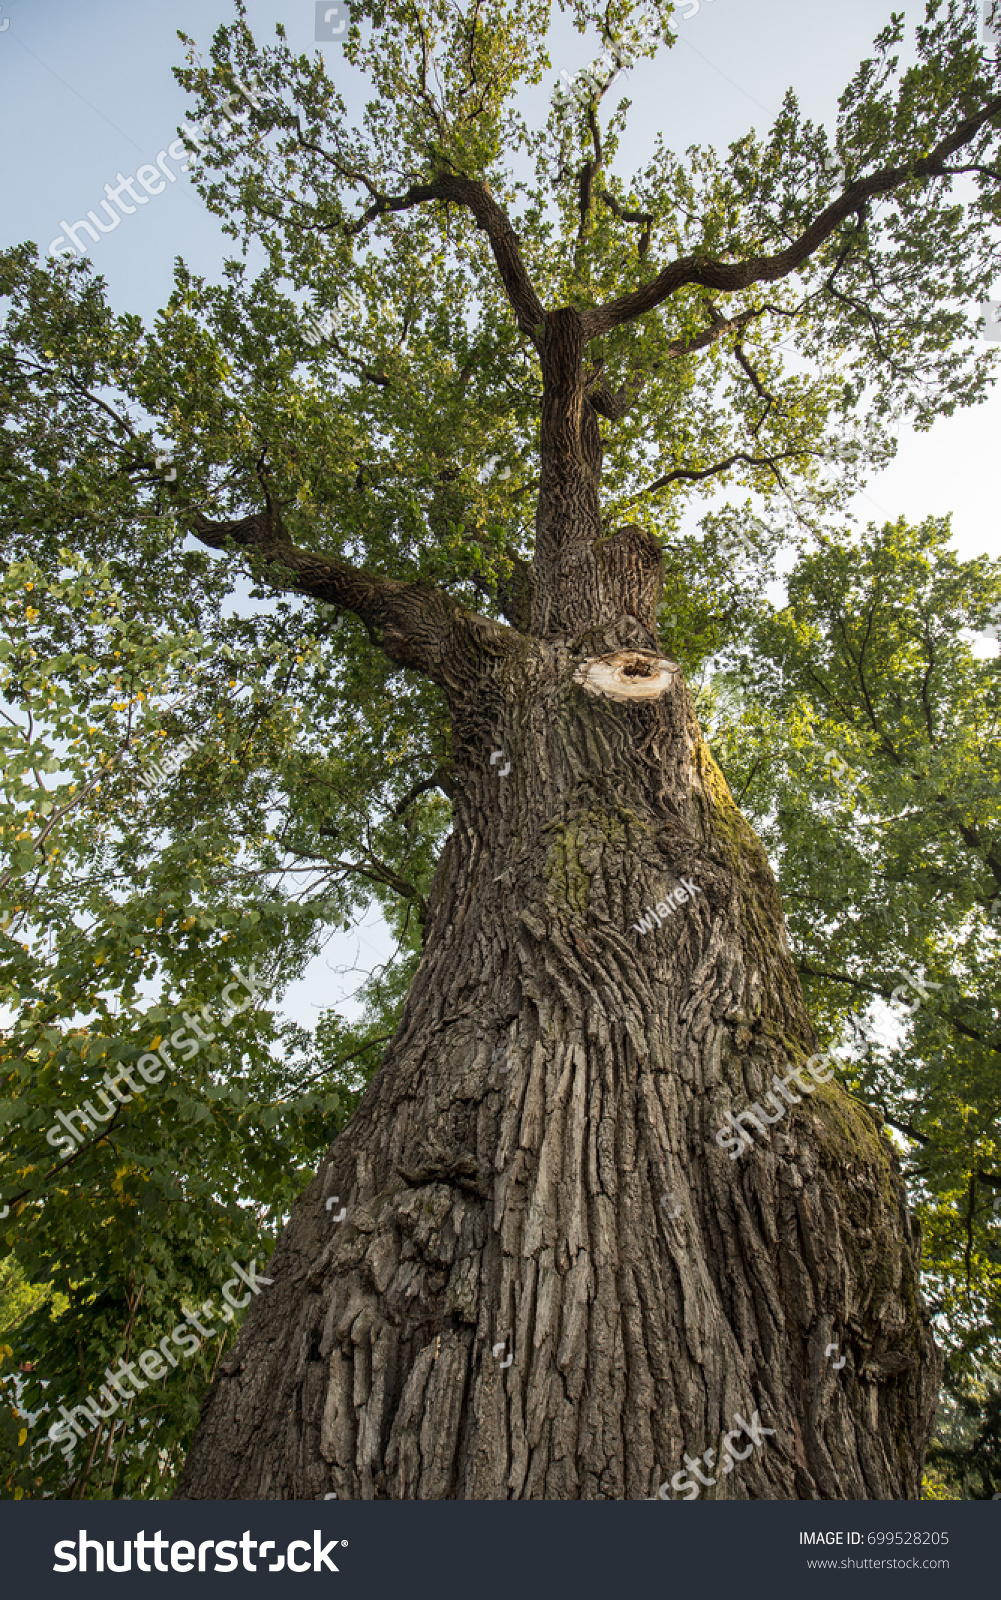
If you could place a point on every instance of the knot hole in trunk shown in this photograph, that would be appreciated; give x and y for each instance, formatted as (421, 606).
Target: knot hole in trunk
(628, 675)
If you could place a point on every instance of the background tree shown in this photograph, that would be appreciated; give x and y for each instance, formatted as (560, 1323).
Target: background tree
(555, 1076)
(861, 726)
(968, 1448)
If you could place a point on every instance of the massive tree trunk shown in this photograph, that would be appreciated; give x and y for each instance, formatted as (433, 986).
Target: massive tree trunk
(552, 1279)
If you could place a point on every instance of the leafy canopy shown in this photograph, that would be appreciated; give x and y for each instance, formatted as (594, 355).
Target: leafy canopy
(760, 321)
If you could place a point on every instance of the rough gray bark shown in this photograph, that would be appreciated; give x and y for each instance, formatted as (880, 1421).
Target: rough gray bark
(534, 1172)
(512, 1173)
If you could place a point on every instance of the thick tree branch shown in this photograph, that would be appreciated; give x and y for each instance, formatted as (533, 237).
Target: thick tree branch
(905, 1128)
(438, 780)
(588, 172)
(488, 215)
(376, 871)
(417, 624)
(730, 277)
(975, 166)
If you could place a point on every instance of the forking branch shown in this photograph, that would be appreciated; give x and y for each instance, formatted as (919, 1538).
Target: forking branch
(730, 277)
(416, 624)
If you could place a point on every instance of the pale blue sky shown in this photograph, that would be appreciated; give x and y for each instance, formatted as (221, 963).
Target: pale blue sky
(87, 91)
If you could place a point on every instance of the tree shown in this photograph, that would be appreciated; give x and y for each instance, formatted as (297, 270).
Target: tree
(558, 1269)
(866, 728)
(972, 1453)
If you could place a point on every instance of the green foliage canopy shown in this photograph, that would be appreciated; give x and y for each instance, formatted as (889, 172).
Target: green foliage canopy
(758, 322)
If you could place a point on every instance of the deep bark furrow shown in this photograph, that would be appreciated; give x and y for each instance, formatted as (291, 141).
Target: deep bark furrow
(512, 1174)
